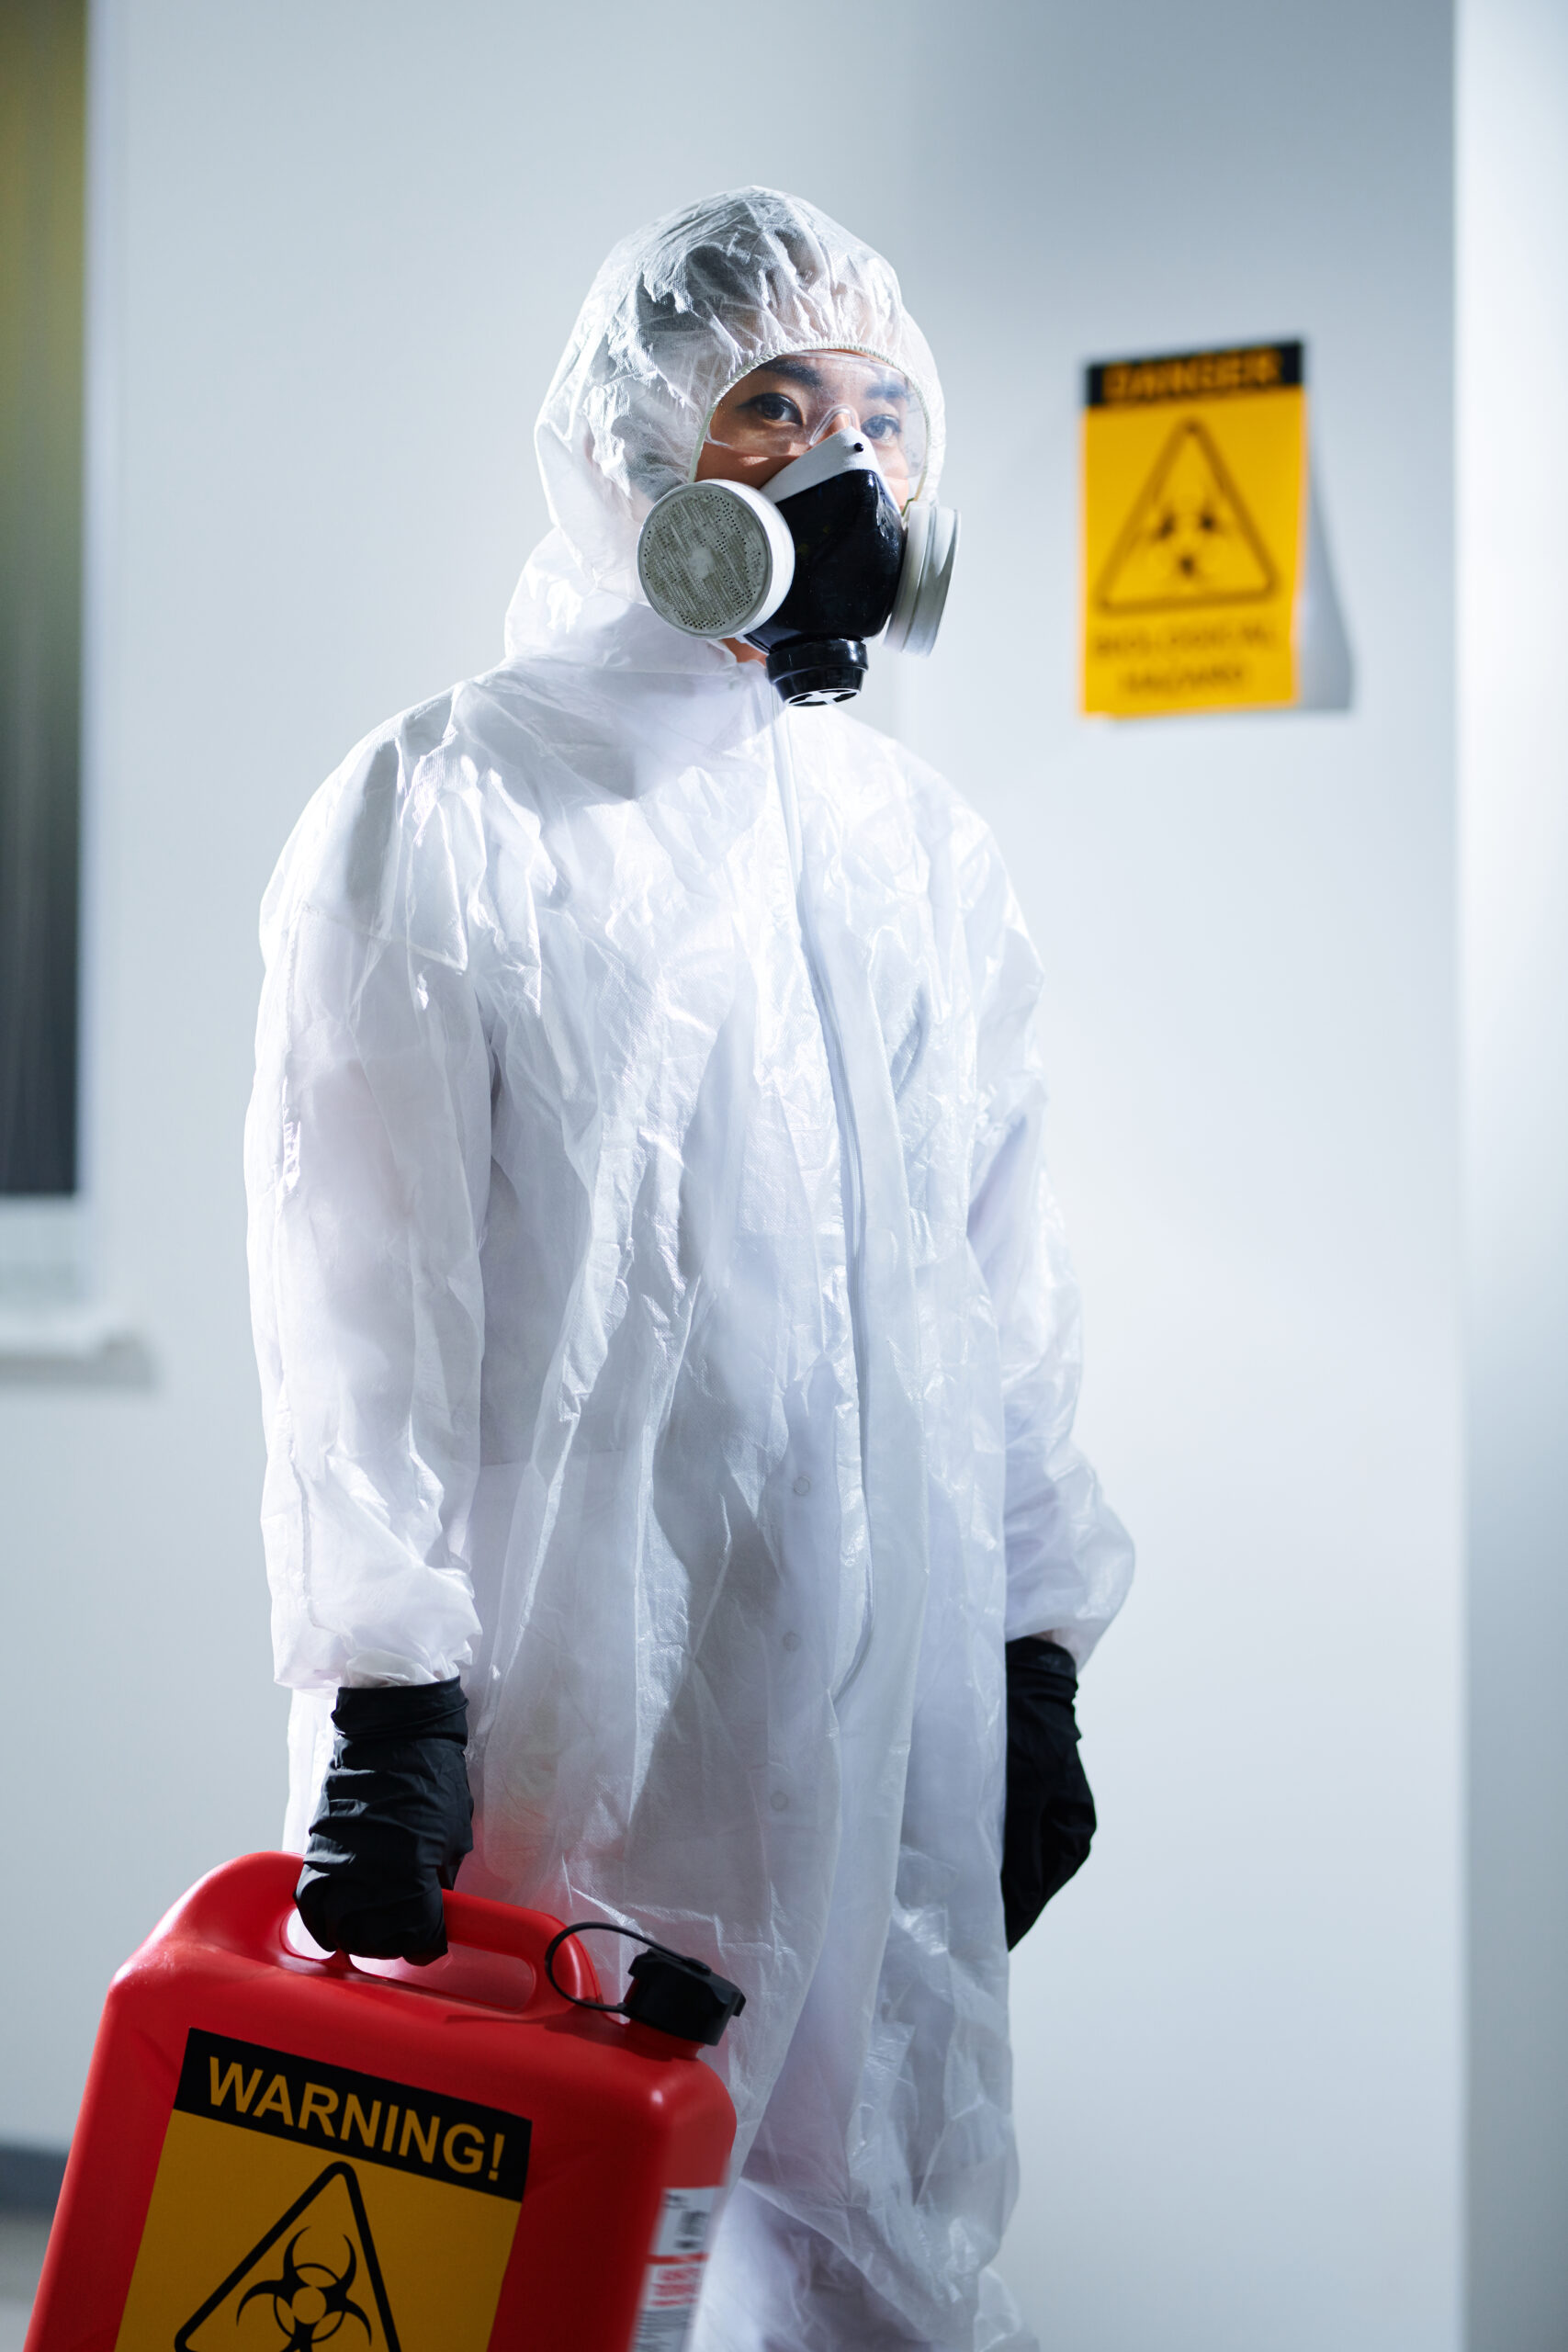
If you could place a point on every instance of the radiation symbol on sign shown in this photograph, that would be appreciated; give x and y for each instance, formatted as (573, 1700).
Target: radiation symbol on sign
(1188, 541)
(312, 2282)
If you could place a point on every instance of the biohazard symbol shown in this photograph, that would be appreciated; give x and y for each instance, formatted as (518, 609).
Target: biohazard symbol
(323, 2287)
(309, 2302)
(1188, 539)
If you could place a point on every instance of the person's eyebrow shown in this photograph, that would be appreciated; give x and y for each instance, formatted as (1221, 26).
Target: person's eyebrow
(809, 376)
(794, 371)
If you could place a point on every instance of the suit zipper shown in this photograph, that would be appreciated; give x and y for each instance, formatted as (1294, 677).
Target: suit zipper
(849, 1148)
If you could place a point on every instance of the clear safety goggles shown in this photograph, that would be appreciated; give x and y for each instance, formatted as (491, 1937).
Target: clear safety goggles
(785, 407)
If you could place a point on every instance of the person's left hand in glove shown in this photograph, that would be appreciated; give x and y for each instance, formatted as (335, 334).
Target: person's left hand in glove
(1050, 1811)
(394, 1823)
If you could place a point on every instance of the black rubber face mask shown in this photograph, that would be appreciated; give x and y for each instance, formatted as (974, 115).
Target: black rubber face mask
(848, 556)
(807, 568)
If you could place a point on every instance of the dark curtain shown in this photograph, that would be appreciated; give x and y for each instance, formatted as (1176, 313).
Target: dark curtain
(42, 153)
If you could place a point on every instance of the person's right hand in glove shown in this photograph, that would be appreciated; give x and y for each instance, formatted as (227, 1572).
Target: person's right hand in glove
(394, 1823)
(1050, 1811)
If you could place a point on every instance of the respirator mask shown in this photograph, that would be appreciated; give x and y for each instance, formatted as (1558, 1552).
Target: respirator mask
(811, 562)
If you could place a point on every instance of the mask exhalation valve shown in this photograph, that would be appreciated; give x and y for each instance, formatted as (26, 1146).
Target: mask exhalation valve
(817, 668)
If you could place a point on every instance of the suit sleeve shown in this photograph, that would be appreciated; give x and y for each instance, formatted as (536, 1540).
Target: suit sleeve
(367, 1160)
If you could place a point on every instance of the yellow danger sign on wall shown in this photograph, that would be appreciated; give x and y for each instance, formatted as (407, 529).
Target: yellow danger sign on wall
(299, 2205)
(1194, 500)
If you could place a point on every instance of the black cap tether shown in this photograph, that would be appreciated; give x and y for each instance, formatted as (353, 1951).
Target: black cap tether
(669, 1991)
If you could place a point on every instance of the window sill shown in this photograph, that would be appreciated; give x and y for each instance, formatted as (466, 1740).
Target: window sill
(72, 1346)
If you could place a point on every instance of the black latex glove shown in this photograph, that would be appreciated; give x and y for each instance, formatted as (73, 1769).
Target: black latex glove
(394, 1823)
(1050, 1812)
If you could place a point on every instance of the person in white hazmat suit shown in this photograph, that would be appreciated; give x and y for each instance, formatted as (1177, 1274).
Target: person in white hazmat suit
(668, 1347)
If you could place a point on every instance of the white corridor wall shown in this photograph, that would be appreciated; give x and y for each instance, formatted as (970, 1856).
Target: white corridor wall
(341, 250)
(1513, 344)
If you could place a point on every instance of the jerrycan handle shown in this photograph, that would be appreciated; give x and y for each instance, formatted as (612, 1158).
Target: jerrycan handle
(245, 1906)
(517, 1934)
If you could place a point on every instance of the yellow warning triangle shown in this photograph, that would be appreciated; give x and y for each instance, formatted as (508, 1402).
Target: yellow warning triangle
(1188, 541)
(313, 2281)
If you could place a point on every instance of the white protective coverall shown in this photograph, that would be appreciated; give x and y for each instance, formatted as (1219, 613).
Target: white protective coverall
(664, 1323)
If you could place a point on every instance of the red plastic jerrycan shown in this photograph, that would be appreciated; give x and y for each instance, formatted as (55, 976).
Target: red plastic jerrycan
(279, 2152)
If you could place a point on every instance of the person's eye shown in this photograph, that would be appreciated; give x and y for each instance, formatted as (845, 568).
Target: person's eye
(775, 407)
(884, 428)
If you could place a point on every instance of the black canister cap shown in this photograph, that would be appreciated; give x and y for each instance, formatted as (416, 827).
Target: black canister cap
(682, 1996)
(669, 1990)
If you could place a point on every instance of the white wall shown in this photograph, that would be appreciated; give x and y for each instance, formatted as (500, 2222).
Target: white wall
(1513, 252)
(347, 246)
(1239, 2038)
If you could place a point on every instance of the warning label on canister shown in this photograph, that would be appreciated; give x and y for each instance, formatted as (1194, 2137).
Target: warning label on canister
(674, 2280)
(1195, 488)
(298, 2205)
(668, 2305)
